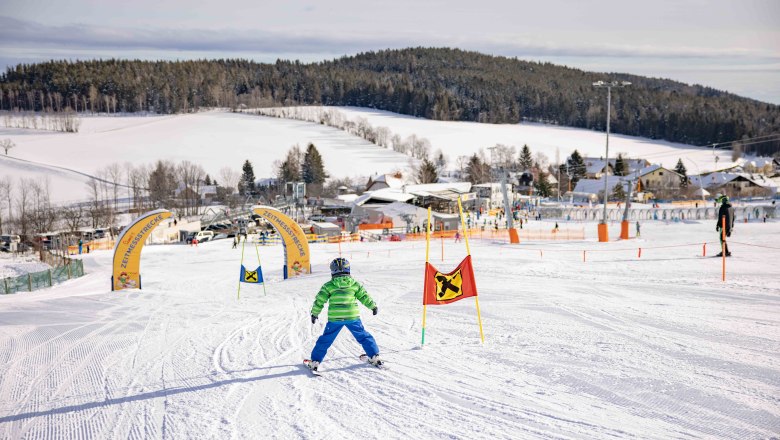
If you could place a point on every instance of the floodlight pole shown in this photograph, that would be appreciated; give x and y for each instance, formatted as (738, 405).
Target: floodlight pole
(603, 235)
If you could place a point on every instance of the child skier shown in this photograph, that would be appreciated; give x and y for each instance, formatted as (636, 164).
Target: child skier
(343, 292)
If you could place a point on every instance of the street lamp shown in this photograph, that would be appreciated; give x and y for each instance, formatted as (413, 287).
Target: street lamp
(603, 232)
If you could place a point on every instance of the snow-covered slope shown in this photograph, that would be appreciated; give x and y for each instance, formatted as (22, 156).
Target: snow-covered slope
(465, 138)
(217, 138)
(615, 347)
(212, 139)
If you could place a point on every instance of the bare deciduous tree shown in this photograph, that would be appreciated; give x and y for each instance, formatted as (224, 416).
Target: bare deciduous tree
(23, 206)
(72, 217)
(7, 144)
(5, 200)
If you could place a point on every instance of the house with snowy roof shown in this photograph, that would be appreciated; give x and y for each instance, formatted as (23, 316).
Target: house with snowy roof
(595, 168)
(736, 184)
(655, 178)
(383, 181)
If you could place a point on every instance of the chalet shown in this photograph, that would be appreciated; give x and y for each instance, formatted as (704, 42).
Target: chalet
(656, 177)
(383, 181)
(736, 184)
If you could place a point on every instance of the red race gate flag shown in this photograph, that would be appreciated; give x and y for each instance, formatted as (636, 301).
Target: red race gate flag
(444, 288)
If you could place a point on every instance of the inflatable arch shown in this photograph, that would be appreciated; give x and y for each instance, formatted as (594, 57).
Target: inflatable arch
(297, 259)
(127, 251)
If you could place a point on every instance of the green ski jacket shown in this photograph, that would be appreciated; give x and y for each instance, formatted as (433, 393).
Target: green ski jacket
(342, 293)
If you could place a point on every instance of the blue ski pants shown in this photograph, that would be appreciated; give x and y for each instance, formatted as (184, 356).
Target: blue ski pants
(332, 329)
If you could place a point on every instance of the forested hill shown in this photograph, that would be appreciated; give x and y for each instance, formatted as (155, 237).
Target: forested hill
(445, 84)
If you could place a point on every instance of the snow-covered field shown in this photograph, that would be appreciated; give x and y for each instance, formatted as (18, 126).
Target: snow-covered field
(614, 347)
(212, 139)
(13, 265)
(216, 139)
(465, 138)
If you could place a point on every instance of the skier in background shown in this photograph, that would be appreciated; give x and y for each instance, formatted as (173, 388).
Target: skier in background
(726, 212)
(637, 229)
(343, 292)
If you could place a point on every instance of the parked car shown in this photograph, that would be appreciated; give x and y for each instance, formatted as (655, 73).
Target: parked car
(9, 243)
(201, 236)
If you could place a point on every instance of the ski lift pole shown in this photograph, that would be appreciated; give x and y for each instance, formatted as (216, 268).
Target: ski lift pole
(425, 282)
(238, 295)
(260, 265)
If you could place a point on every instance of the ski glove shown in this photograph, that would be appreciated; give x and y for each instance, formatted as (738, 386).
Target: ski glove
(313, 319)
(375, 310)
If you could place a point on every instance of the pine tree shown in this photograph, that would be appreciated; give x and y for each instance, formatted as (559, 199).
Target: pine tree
(620, 166)
(427, 172)
(683, 172)
(313, 170)
(526, 161)
(207, 181)
(618, 193)
(542, 186)
(247, 184)
(576, 167)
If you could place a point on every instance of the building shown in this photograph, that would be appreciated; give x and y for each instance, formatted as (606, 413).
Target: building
(594, 168)
(759, 165)
(657, 178)
(736, 184)
(383, 181)
(490, 196)
(591, 190)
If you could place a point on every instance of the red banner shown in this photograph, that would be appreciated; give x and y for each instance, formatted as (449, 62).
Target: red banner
(444, 288)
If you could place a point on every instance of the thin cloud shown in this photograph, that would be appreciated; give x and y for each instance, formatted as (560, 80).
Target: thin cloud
(20, 33)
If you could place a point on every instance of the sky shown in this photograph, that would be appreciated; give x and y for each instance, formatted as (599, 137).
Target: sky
(729, 45)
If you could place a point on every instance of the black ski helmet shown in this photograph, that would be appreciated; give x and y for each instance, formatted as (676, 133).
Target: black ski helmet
(339, 267)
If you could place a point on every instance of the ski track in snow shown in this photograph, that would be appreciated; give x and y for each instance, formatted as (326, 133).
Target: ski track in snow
(616, 347)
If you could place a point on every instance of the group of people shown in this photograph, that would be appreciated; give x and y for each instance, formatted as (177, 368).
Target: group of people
(344, 292)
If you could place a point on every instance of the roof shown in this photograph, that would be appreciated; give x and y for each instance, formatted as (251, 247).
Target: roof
(462, 187)
(593, 166)
(347, 197)
(390, 180)
(757, 161)
(447, 191)
(713, 180)
(326, 225)
(398, 209)
(594, 186)
(385, 195)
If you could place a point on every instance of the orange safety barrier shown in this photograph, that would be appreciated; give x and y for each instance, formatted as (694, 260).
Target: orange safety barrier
(343, 238)
(367, 226)
(90, 246)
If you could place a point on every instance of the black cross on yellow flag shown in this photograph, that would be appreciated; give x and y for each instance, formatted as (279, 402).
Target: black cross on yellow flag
(251, 276)
(444, 288)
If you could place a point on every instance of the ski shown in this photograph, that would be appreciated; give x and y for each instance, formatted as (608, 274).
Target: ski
(316, 373)
(381, 365)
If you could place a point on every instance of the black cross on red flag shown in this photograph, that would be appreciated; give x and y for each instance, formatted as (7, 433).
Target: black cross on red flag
(444, 288)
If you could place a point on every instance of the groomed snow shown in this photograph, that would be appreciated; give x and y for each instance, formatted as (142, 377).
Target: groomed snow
(614, 347)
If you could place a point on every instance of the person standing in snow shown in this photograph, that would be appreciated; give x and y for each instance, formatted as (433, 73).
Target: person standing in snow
(726, 212)
(342, 292)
